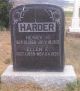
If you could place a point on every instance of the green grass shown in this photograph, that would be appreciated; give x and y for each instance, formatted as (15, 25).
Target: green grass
(68, 13)
(75, 86)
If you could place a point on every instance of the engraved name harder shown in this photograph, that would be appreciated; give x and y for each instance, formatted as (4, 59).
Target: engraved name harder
(37, 27)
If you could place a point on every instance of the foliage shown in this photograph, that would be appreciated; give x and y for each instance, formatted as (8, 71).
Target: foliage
(68, 13)
(75, 86)
(4, 13)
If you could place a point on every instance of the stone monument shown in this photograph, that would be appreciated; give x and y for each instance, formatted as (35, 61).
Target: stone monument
(37, 34)
(38, 38)
(75, 27)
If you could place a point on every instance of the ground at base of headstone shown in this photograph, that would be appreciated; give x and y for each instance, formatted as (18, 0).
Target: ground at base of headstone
(74, 86)
(29, 87)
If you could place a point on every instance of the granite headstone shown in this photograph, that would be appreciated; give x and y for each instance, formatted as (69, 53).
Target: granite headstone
(37, 33)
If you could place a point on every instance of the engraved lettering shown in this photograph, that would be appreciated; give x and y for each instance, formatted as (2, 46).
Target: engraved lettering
(37, 27)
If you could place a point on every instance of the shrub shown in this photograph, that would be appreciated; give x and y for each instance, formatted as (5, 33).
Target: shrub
(4, 13)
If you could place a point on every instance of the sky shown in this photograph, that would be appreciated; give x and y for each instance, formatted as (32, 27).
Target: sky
(69, 0)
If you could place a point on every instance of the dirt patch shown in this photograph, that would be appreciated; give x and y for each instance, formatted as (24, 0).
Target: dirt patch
(5, 49)
(72, 53)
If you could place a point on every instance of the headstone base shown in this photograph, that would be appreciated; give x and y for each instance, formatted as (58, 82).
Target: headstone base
(38, 80)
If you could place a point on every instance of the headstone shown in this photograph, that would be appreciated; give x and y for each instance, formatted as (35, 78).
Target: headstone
(37, 33)
(75, 27)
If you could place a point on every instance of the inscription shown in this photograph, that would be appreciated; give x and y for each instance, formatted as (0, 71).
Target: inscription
(37, 54)
(37, 27)
(37, 42)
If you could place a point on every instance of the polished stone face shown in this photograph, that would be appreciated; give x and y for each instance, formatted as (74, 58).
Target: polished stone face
(37, 33)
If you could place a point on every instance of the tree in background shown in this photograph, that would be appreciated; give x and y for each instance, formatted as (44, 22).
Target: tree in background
(4, 13)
